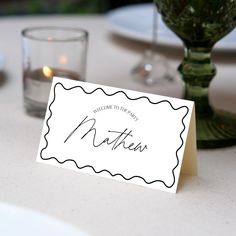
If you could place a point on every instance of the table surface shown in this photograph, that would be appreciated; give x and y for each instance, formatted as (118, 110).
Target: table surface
(204, 205)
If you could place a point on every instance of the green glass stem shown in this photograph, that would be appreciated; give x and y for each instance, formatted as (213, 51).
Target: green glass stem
(200, 24)
(213, 130)
(197, 71)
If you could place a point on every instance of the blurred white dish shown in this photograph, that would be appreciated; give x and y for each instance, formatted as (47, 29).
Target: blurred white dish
(135, 22)
(19, 221)
(2, 61)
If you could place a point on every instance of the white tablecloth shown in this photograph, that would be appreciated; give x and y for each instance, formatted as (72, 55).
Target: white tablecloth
(204, 205)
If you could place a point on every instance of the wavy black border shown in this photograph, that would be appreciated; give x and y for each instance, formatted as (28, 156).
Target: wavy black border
(104, 170)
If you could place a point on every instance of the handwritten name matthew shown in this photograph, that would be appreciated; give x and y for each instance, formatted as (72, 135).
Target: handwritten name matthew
(119, 139)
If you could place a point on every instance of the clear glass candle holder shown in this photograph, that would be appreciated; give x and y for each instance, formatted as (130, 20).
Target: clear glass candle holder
(48, 52)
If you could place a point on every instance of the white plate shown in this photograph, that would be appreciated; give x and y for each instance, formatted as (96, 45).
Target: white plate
(18, 221)
(135, 22)
(2, 61)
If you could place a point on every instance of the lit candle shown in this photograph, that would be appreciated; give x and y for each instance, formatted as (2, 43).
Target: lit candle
(37, 83)
(47, 72)
(49, 52)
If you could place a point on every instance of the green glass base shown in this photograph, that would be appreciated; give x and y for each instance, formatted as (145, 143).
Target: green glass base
(217, 131)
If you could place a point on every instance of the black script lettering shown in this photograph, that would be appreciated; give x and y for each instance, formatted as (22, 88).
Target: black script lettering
(119, 140)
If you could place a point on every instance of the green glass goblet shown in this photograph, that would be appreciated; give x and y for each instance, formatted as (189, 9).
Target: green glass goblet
(200, 24)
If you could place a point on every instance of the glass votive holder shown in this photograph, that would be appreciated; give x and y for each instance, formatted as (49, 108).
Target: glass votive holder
(48, 52)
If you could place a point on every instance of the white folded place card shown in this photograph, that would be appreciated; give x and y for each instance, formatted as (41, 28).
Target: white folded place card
(130, 136)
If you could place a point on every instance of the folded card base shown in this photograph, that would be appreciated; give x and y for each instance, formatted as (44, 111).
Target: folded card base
(189, 165)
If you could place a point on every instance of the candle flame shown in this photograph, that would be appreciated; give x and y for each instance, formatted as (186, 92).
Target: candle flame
(47, 71)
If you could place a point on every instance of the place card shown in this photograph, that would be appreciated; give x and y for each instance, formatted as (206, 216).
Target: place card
(134, 137)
